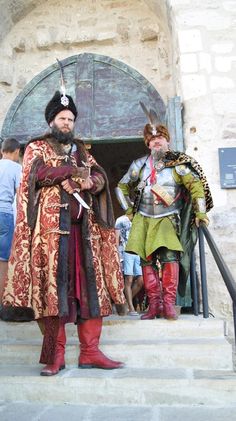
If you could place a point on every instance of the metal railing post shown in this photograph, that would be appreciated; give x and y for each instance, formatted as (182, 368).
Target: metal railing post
(194, 286)
(203, 274)
(234, 315)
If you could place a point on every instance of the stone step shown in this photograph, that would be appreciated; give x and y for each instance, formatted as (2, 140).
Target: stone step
(128, 327)
(136, 387)
(59, 412)
(197, 353)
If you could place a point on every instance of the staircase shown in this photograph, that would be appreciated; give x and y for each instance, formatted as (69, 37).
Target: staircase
(173, 370)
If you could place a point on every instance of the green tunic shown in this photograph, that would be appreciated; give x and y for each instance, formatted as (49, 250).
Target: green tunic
(149, 234)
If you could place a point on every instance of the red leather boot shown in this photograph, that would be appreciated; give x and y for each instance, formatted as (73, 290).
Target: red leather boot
(89, 333)
(152, 287)
(59, 360)
(170, 280)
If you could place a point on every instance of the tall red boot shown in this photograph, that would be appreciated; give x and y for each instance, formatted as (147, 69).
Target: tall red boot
(152, 287)
(89, 333)
(59, 360)
(170, 280)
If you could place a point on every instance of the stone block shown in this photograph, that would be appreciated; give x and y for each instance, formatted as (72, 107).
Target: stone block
(21, 82)
(174, 3)
(193, 86)
(205, 62)
(123, 30)
(199, 107)
(205, 126)
(20, 45)
(148, 34)
(224, 64)
(190, 40)
(229, 130)
(224, 103)
(43, 40)
(188, 63)
(212, 20)
(222, 47)
(219, 196)
(105, 36)
(230, 6)
(218, 82)
(6, 72)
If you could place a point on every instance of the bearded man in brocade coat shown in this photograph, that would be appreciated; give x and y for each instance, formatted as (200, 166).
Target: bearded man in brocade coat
(172, 197)
(64, 265)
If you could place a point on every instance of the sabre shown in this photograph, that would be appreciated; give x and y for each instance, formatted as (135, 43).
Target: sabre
(80, 200)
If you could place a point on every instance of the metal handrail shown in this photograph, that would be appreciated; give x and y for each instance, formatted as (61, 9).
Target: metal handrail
(223, 268)
(203, 274)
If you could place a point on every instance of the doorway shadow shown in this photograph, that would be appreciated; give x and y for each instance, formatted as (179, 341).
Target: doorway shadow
(115, 158)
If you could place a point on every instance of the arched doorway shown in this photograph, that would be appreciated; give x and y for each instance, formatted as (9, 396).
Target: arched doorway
(110, 120)
(107, 94)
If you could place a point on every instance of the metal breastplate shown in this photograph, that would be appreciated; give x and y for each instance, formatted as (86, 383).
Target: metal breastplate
(149, 205)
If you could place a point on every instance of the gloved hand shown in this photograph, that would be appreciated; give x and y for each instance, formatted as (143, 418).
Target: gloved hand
(198, 220)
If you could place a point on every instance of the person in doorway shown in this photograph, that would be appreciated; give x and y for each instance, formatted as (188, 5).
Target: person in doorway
(64, 266)
(171, 194)
(131, 264)
(10, 173)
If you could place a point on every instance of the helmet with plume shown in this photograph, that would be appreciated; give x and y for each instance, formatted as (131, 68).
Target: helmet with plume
(154, 127)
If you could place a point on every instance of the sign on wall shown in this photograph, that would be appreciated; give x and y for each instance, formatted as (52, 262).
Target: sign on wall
(227, 159)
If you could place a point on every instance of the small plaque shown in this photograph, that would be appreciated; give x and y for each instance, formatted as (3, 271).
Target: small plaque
(227, 159)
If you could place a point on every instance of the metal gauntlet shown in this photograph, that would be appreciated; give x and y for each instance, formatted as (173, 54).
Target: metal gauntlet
(123, 200)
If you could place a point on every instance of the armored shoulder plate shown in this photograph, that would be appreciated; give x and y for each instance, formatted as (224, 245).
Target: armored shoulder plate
(133, 172)
(182, 169)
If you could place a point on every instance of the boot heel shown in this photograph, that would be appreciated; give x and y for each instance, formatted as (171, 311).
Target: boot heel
(62, 367)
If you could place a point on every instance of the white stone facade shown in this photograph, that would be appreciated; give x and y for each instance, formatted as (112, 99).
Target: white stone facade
(182, 47)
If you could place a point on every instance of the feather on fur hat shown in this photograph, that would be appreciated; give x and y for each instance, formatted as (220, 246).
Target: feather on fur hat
(153, 128)
(60, 101)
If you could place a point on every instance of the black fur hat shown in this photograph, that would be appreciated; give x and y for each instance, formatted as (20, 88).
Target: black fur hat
(56, 105)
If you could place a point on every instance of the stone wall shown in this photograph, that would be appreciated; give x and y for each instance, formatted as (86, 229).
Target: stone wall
(125, 30)
(182, 47)
(204, 34)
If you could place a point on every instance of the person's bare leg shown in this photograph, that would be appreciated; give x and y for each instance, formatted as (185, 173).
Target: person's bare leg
(3, 272)
(137, 285)
(128, 291)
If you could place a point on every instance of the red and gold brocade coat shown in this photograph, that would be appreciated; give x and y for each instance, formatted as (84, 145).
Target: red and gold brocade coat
(38, 282)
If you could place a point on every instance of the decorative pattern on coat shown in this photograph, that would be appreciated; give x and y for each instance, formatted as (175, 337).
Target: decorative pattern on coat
(34, 258)
(107, 266)
(32, 276)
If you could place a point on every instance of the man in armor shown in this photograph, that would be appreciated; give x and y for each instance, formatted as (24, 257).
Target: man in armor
(172, 197)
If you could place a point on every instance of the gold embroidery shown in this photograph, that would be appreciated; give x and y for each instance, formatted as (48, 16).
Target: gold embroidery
(56, 231)
(58, 205)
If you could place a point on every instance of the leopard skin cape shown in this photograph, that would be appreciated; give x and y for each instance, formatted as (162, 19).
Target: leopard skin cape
(188, 236)
(173, 158)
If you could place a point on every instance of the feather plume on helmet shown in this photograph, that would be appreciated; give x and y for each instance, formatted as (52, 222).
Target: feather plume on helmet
(60, 100)
(154, 127)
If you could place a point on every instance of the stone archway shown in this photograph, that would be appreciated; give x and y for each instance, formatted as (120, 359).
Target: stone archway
(107, 94)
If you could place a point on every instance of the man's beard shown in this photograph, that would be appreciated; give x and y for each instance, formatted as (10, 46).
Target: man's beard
(64, 138)
(158, 155)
